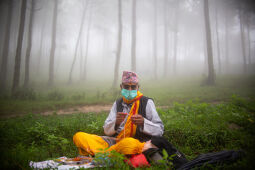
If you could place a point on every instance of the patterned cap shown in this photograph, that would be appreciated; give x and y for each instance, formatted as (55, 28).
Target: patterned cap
(129, 77)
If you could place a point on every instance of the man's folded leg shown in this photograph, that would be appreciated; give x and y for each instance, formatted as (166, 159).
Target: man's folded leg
(89, 144)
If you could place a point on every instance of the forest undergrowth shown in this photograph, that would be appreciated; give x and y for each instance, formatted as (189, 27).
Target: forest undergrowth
(41, 98)
(193, 127)
(201, 119)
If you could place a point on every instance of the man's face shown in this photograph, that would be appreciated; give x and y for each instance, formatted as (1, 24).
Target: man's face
(129, 86)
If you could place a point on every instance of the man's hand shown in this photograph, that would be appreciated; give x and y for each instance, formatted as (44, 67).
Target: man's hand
(137, 119)
(120, 118)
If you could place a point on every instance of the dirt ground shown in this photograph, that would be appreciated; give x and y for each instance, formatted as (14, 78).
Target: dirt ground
(81, 109)
(86, 109)
(76, 109)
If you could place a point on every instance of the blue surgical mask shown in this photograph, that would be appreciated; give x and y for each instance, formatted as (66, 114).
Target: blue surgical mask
(129, 94)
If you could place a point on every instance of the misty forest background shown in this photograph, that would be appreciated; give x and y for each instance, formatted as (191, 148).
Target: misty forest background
(44, 42)
(195, 58)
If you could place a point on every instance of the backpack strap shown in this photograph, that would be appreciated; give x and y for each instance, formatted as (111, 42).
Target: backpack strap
(119, 104)
(142, 111)
(142, 106)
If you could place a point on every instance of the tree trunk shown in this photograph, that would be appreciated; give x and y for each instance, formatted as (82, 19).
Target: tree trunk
(81, 59)
(166, 39)
(211, 76)
(217, 38)
(176, 37)
(206, 58)
(16, 76)
(155, 41)
(226, 42)
(39, 55)
(243, 42)
(249, 40)
(84, 77)
(133, 45)
(3, 73)
(53, 44)
(77, 43)
(29, 45)
(117, 62)
(40, 49)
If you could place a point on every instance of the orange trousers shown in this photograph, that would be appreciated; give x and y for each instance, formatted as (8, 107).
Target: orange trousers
(89, 144)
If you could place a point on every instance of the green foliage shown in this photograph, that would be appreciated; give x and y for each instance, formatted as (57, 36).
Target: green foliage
(24, 94)
(111, 159)
(93, 126)
(241, 102)
(164, 92)
(78, 96)
(165, 163)
(36, 138)
(55, 95)
(193, 127)
(47, 136)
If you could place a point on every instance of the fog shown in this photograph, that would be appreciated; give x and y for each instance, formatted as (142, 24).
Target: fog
(96, 39)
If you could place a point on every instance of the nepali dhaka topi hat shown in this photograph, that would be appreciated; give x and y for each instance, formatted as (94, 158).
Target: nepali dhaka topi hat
(129, 77)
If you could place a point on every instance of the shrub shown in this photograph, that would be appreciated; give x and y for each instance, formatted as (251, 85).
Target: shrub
(78, 96)
(24, 94)
(55, 95)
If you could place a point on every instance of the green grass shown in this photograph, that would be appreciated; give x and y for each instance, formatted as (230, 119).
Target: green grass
(190, 88)
(193, 127)
(201, 119)
(164, 93)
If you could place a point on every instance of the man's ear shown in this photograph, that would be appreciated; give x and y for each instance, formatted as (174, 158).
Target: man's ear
(120, 86)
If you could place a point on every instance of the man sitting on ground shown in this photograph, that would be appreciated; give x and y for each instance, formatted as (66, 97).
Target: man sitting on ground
(132, 120)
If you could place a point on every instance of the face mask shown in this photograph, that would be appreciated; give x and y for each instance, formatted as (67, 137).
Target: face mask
(129, 94)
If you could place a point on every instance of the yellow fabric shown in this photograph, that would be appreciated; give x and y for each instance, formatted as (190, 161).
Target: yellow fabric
(128, 146)
(129, 129)
(89, 144)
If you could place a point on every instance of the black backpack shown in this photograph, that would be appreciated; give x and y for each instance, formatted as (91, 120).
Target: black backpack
(213, 158)
(155, 154)
(179, 160)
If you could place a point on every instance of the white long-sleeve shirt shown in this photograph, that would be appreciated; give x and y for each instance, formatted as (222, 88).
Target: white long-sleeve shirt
(152, 123)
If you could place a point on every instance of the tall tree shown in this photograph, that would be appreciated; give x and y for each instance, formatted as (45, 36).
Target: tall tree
(40, 49)
(3, 73)
(249, 39)
(211, 76)
(166, 38)
(133, 45)
(38, 64)
(77, 43)
(16, 76)
(117, 61)
(205, 54)
(226, 41)
(241, 18)
(53, 44)
(176, 29)
(217, 36)
(84, 77)
(81, 59)
(155, 41)
(29, 43)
